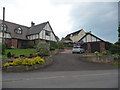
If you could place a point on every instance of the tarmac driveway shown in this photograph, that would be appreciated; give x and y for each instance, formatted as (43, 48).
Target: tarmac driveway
(66, 61)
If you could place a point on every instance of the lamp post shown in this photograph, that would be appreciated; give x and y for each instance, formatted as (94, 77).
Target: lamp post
(3, 24)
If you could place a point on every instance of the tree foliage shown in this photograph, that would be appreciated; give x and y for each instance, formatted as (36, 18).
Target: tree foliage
(119, 33)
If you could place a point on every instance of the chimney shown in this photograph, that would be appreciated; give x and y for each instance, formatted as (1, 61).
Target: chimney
(32, 24)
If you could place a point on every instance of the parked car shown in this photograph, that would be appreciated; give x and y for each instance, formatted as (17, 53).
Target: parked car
(77, 50)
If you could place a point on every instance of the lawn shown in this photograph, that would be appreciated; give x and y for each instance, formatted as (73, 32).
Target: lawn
(20, 51)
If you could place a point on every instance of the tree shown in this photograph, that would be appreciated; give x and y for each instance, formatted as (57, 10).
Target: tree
(119, 33)
(118, 42)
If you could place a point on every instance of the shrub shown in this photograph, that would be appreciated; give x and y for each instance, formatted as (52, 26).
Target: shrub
(114, 49)
(53, 45)
(6, 64)
(28, 62)
(29, 46)
(43, 49)
(17, 61)
(3, 48)
(9, 55)
(116, 56)
(104, 52)
(38, 60)
(0, 48)
(60, 45)
(96, 52)
(69, 44)
(116, 64)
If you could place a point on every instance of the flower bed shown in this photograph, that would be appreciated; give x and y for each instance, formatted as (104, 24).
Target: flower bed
(27, 64)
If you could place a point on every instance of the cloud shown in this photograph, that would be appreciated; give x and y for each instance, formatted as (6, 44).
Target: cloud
(99, 17)
(66, 16)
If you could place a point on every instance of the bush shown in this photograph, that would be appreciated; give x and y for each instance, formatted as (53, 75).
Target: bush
(38, 60)
(116, 64)
(0, 48)
(27, 62)
(6, 64)
(17, 61)
(114, 49)
(96, 52)
(60, 45)
(3, 48)
(116, 56)
(104, 52)
(53, 45)
(9, 55)
(69, 44)
(43, 49)
(29, 46)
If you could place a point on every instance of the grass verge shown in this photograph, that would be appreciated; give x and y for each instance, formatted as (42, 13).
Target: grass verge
(116, 64)
(20, 51)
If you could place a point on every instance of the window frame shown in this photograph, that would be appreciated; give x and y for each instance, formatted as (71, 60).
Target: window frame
(3, 26)
(18, 31)
(47, 33)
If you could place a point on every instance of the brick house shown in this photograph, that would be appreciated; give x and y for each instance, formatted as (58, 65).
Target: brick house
(18, 36)
(91, 43)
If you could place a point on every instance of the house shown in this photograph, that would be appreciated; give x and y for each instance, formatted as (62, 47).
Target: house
(91, 43)
(75, 36)
(18, 36)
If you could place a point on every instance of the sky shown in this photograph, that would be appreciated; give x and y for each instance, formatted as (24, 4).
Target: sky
(66, 16)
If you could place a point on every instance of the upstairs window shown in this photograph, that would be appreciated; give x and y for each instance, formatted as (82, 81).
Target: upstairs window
(18, 31)
(47, 33)
(3, 27)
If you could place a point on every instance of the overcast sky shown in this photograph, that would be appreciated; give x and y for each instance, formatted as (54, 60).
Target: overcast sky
(66, 16)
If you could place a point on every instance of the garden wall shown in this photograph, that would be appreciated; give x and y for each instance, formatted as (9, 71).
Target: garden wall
(97, 58)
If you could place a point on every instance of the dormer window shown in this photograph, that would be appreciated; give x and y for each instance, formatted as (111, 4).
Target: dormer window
(18, 31)
(3, 27)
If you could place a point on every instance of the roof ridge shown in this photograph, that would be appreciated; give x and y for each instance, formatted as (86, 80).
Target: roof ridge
(16, 24)
(40, 24)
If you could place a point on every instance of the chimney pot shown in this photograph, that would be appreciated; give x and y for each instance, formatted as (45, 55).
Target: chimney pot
(32, 24)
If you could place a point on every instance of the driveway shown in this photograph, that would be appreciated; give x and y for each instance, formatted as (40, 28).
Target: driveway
(66, 61)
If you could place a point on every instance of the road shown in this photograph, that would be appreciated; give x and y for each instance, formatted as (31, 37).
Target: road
(67, 71)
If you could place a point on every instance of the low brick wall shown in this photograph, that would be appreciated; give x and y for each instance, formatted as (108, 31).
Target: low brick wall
(22, 68)
(98, 59)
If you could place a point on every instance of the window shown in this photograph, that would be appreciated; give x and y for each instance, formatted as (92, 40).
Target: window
(28, 37)
(18, 31)
(47, 33)
(3, 26)
(37, 36)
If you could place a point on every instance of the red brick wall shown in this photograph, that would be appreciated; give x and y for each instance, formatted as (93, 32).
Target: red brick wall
(89, 47)
(8, 42)
(102, 46)
(19, 44)
(14, 43)
(36, 42)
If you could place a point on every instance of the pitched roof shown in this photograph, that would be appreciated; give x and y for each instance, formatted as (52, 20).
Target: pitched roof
(37, 28)
(74, 33)
(91, 35)
(11, 29)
